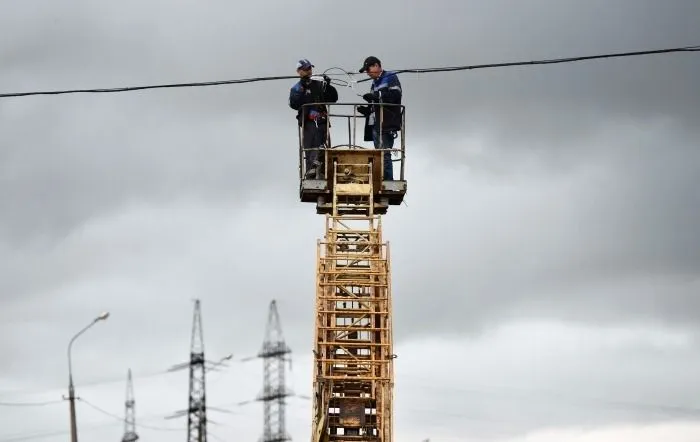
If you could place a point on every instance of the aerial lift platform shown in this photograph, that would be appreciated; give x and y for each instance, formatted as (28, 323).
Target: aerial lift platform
(353, 377)
(320, 189)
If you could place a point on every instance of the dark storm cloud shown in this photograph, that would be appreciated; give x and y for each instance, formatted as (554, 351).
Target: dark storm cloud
(68, 159)
(105, 149)
(557, 191)
(98, 158)
(636, 87)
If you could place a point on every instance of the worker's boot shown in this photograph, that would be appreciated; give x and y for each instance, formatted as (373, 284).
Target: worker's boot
(315, 170)
(312, 171)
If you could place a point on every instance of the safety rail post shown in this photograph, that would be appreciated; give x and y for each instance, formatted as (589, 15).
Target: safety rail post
(300, 133)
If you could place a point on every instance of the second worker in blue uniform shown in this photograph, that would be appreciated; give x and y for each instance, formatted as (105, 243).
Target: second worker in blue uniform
(386, 88)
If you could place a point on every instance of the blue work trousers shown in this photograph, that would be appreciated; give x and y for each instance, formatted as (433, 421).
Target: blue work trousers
(386, 142)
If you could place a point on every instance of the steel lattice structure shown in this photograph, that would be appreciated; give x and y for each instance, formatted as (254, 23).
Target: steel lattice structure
(274, 387)
(353, 344)
(197, 407)
(130, 412)
(353, 383)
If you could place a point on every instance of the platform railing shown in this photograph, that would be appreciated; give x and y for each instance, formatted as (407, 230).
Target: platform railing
(351, 125)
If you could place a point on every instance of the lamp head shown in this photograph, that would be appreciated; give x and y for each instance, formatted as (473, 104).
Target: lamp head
(103, 316)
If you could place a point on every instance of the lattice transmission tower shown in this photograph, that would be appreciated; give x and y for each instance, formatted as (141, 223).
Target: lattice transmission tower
(197, 405)
(130, 412)
(274, 355)
(197, 365)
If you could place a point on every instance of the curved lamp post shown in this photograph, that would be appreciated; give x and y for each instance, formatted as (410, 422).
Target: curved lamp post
(71, 389)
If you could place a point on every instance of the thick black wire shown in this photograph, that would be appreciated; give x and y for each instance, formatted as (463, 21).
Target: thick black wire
(550, 61)
(415, 71)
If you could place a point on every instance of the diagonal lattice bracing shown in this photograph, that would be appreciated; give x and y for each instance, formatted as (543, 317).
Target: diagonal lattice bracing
(353, 340)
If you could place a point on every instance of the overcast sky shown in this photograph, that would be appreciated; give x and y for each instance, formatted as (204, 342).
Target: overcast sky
(546, 265)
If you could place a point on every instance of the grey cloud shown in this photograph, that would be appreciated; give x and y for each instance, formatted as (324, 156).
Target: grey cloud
(127, 264)
(129, 144)
(60, 180)
(533, 375)
(553, 191)
(612, 239)
(551, 105)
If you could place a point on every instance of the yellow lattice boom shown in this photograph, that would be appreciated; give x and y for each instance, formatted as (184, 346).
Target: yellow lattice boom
(353, 345)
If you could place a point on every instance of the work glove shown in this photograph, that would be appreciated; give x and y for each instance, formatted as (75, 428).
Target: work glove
(370, 97)
(364, 110)
(326, 79)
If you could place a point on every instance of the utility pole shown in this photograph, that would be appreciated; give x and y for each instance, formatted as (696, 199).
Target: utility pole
(130, 413)
(197, 408)
(274, 387)
(73, 418)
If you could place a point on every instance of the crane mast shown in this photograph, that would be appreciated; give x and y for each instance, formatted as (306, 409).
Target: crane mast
(353, 344)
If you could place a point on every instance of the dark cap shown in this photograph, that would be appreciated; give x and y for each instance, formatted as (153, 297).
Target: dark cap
(304, 63)
(369, 61)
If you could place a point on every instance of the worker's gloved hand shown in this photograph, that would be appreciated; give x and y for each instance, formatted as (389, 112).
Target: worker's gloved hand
(326, 79)
(369, 97)
(364, 110)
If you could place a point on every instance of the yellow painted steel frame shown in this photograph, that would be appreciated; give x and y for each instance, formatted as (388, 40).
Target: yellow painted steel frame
(353, 382)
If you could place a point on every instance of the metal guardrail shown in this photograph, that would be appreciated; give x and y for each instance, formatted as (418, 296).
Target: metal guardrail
(352, 127)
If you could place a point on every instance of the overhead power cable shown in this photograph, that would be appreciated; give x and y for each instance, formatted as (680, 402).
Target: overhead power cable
(121, 418)
(413, 70)
(213, 365)
(547, 61)
(531, 395)
(115, 419)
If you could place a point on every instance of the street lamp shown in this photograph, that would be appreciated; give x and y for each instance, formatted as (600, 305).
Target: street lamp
(71, 390)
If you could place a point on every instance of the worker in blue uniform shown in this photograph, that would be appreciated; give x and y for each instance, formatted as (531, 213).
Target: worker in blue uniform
(385, 88)
(313, 119)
